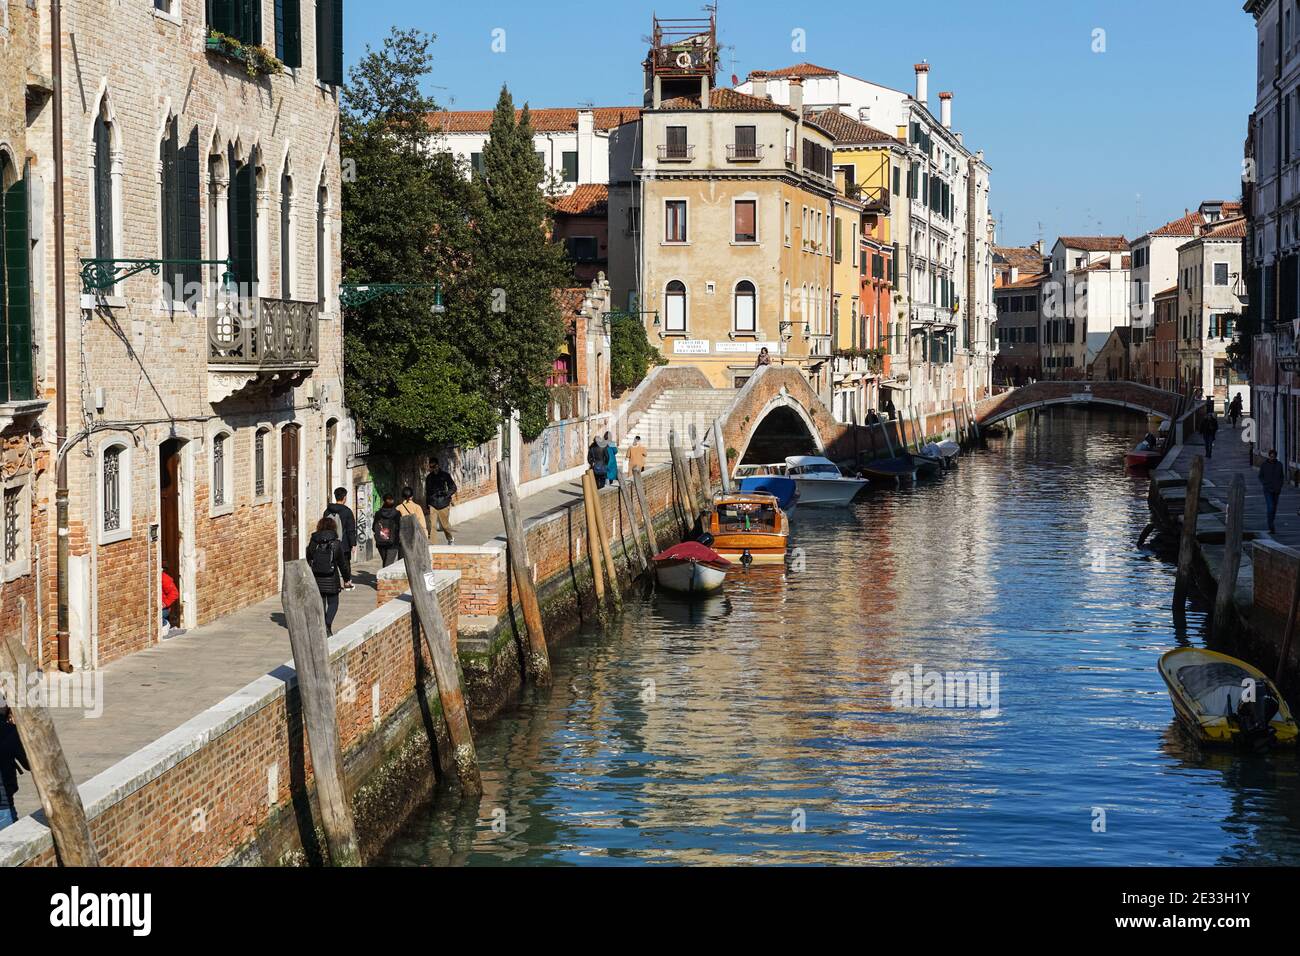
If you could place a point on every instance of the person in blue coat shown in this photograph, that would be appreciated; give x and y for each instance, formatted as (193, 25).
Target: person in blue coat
(611, 464)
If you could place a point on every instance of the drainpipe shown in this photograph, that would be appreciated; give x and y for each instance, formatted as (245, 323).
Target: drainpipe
(60, 335)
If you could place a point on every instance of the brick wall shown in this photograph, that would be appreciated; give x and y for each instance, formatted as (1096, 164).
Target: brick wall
(1275, 568)
(229, 778)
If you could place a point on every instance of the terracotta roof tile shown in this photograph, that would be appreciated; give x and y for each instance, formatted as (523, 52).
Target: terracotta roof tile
(800, 69)
(1024, 282)
(544, 120)
(1226, 229)
(1183, 226)
(1096, 243)
(571, 299)
(726, 99)
(1024, 258)
(589, 199)
(845, 130)
(1172, 290)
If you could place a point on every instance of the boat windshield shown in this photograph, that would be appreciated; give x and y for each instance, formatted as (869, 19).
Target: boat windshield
(829, 471)
(746, 516)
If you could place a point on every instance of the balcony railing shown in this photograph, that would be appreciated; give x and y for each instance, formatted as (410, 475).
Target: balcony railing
(271, 334)
(744, 153)
(676, 153)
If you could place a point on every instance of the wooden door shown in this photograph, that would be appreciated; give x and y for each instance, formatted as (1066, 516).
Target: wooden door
(289, 492)
(169, 515)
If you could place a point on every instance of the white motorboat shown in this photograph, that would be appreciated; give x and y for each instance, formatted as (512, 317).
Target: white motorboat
(820, 482)
(945, 451)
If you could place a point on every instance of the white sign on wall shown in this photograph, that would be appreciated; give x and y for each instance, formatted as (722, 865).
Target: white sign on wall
(691, 347)
(752, 347)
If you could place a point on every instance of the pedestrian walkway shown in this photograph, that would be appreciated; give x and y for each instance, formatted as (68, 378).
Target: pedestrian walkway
(152, 692)
(1231, 457)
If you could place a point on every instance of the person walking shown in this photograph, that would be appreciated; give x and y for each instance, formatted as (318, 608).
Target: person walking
(611, 462)
(598, 460)
(1209, 429)
(636, 456)
(387, 528)
(439, 490)
(409, 507)
(13, 761)
(1272, 477)
(329, 562)
(346, 526)
(1234, 409)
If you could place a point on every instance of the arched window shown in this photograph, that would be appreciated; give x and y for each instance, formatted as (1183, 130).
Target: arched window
(114, 492)
(259, 462)
(746, 307)
(16, 378)
(103, 185)
(322, 247)
(287, 243)
(221, 468)
(675, 307)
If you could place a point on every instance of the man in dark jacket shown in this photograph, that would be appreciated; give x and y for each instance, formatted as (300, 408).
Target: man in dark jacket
(13, 761)
(1209, 429)
(347, 525)
(328, 560)
(387, 527)
(598, 461)
(1272, 478)
(439, 490)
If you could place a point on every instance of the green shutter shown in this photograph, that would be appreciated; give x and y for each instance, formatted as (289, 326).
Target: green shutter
(279, 30)
(243, 228)
(329, 41)
(189, 209)
(292, 16)
(221, 16)
(839, 239)
(17, 288)
(103, 192)
(171, 229)
(252, 21)
(336, 53)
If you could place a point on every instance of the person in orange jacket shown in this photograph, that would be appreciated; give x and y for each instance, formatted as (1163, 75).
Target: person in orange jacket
(169, 595)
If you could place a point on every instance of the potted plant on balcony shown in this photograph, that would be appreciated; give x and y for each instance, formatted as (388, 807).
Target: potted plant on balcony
(256, 59)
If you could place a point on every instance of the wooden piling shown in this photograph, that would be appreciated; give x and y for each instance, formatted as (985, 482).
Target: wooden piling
(1187, 543)
(537, 660)
(304, 616)
(884, 430)
(1231, 555)
(639, 487)
(724, 467)
(593, 539)
(64, 813)
(602, 532)
(625, 497)
(704, 478)
(419, 574)
(680, 482)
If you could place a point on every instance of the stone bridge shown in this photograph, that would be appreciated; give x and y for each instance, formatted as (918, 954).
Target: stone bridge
(1130, 395)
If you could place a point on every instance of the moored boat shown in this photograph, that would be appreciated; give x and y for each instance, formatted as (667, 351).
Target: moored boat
(1225, 701)
(1146, 454)
(945, 451)
(749, 528)
(690, 568)
(891, 469)
(820, 482)
(783, 489)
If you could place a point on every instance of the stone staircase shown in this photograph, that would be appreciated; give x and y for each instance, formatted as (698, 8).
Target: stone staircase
(678, 409)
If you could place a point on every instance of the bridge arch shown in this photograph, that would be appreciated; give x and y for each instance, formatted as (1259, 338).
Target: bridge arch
(1143, 399)
(782, 428)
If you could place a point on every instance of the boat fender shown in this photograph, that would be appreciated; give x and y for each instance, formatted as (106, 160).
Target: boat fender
(746, 558)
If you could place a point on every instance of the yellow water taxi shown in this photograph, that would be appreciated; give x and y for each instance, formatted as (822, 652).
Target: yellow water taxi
(749, 528)
(1225, 701)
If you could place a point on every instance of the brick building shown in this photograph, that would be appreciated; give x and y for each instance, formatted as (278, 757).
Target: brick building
(203, 357)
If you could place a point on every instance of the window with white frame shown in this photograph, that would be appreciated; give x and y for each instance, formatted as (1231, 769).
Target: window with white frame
(261, 437)
(1220, 273)
(16, 527)
(675, 307)
(114, 492)
(746, 307)
(222, 462)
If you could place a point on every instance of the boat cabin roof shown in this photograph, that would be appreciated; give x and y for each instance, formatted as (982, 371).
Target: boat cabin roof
(800, 461)
(744, 498)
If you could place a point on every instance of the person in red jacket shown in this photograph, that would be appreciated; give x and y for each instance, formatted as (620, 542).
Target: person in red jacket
(169, 596)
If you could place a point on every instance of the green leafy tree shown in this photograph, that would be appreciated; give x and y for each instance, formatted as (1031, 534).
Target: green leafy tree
(630, 353)
(516, 273)
(407, 218)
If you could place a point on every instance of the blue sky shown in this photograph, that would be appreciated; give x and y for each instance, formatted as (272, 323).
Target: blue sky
(1080, 142)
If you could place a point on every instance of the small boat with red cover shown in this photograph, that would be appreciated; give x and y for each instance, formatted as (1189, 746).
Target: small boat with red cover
(690, 568)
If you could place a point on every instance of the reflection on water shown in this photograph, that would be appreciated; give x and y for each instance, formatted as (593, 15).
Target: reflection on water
(758, 727)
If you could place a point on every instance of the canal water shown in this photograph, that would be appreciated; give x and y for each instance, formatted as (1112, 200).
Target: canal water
(771, 726)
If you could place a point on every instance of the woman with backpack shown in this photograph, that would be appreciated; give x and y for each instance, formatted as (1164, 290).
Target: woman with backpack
(328, 560)
(387, 526)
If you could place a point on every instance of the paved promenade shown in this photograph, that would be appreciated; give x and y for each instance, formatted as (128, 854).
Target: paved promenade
(1231, 457)
(150, 693)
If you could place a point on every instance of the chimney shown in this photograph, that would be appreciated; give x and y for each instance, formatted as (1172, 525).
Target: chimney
(586, 144)
(759, 85)
(945, 110)
(1015, 275)
(1038, 247)
(796, 95)
(923, 83)
(1116, 261)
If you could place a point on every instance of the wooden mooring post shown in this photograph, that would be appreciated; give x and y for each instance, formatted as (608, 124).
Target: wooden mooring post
(419, 574)
(625, 497)
(724, 469)
(304, 615)
(537, 659)
(602, 531)
(1187, 542)
(681, 482)
(60, 798)
(593, 538)
(1231, 555)
(639, 487)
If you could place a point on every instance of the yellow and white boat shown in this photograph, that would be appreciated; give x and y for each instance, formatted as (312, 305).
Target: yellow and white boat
(1225, 701)
(749, 528)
